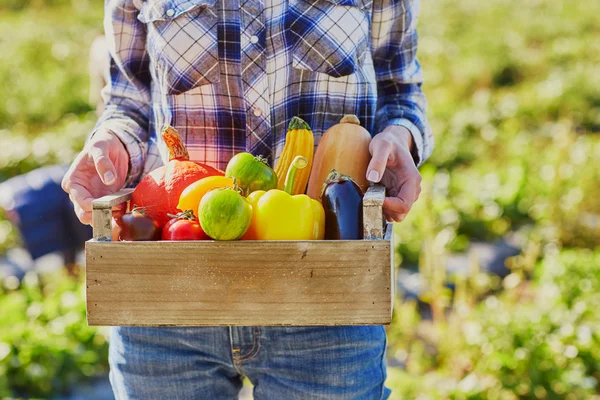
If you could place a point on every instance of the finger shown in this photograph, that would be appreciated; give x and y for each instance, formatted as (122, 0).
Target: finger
(64, 184)
(380, 153)
(407, 195)
(68, 178)
(104, 166)
(418, 192)
(395, 206)
(393, 216)
(409, 190)
(81, 197)
(84, 216)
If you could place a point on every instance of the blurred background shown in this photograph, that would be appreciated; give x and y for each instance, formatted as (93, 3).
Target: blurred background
(498, 264)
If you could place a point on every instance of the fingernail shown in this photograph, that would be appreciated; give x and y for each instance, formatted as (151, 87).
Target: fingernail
(109, 178)
(373, 176)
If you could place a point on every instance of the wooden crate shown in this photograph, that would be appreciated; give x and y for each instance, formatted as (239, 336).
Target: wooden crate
(194, 283)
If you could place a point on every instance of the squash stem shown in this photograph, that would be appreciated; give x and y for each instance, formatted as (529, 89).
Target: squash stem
(298, 123)
(175, 145)
(299, 162)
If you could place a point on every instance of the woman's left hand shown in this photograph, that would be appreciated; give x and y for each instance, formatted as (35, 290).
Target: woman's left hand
(392, 165)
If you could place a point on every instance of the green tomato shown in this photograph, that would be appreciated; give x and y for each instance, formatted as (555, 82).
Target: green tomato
(251, 173)
(224, 214)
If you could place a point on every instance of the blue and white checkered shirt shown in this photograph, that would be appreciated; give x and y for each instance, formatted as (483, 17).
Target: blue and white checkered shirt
(230, 74)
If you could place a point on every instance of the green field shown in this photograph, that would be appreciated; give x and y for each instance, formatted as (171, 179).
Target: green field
(514, 94)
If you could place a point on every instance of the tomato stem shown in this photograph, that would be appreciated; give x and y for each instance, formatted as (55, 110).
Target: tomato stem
(139, 210)
(299, 162)
(187, 214)
(264, 160)
(236, 187)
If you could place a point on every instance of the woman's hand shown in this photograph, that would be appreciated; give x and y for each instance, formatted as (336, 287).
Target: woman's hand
(100, 169)
(392, 165)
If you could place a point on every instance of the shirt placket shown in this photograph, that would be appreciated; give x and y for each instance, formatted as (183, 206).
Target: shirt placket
(259, 140)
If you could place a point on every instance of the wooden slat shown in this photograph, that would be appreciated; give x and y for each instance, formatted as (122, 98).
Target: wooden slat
(102, 215)
(373, 212)
(239, 283)
(112, 200)
(102, 224)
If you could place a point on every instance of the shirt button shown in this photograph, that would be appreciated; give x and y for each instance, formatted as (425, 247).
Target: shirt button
(257, 112)
(170, 12)
(253, 39)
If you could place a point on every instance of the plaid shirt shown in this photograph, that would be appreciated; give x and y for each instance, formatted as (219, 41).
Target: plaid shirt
(230, 74)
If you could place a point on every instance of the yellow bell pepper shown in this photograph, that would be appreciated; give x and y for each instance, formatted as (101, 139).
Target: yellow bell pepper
(277, 215)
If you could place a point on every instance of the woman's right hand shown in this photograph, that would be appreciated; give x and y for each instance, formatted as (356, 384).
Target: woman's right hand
(100, 169)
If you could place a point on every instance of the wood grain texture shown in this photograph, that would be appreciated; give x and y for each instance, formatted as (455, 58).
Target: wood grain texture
(112, 200)
(102, 224)
(239, 283)
(373, 220)
(102, 214)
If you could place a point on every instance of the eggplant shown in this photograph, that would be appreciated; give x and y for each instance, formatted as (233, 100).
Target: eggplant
(342, 200)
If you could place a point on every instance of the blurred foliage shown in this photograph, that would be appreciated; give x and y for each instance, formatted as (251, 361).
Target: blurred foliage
(537, 340)
(514, 94)
(45, 344)
(44, 63)
(44, 112)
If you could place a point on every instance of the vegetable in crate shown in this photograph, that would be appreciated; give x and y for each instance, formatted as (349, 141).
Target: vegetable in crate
(225, 214)
(299, 141)
(192, 195)
(344, 147)
(159, 191)
(183, 226)
(342, 201)
(251, 173)
(278, 215)
(138, 226)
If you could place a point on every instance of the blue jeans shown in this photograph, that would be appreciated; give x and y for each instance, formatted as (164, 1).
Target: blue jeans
(283, 363)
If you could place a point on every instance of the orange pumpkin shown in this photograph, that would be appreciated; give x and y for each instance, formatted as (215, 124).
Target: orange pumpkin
(159, 191)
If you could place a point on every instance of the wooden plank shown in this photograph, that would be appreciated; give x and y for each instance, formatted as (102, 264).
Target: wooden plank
(102, 215)
(239, 283)
(102, 224)
(373, 220)
(112, 200)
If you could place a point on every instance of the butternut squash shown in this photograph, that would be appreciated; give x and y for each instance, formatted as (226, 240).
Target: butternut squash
(299, 141)
(344, 147)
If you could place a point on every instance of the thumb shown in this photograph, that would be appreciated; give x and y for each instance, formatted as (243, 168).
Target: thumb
(104, 166)
(380, 153)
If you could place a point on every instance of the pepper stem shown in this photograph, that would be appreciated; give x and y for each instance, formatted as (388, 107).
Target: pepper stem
(299, 162)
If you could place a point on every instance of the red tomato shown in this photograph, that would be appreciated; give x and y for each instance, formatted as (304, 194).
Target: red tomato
(183, 229)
